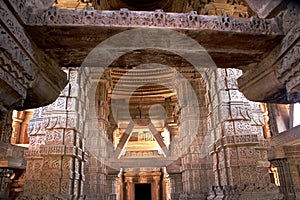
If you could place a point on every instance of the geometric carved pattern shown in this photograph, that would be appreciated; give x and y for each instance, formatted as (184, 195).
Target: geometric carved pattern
(56, 147)
(240, 153)
(20, 64)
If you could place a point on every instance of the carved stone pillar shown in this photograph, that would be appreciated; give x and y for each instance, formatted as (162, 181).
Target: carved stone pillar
(240, 154)
(129, 188)
(156, 189)
(166, 188)
(112, 186)
(20, 126)
(193, 140)
(6, 127)
(96, 142)
(36, 131)
(187, 123)
(285, 179)
(57, 154)
(176, 186)
(292, 154)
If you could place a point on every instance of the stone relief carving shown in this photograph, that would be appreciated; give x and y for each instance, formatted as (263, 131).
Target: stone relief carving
(288, 62)
(158, 18)
(25, 73)
(288, 69)
(56, 137)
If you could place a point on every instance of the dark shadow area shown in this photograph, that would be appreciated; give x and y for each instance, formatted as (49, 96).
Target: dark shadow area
(142, 191)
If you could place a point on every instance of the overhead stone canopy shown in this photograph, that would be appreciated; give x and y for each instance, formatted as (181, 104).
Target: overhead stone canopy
(160, 93)
(53, 28)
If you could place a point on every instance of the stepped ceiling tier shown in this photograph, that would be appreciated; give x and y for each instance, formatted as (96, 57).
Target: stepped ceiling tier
(145, 86)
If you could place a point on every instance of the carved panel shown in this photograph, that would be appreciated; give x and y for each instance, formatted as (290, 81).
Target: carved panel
(18, 65)
(158, 18)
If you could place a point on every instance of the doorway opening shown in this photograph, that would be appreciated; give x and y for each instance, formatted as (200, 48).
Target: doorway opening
(142, 191)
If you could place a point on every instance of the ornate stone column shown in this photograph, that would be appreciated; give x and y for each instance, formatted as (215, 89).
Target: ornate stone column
(112, 186)
(57, 153)
(285, 177)
(193, 138)
(240, 152)
(166, 185)
(97, 142)
(156, 187)
(129, 188)
(176, 186)
(292, 154)
(20, 126)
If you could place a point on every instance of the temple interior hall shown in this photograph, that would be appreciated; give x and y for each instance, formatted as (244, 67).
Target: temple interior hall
(149, 99)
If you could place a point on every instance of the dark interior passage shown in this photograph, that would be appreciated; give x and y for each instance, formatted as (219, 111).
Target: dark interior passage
(142, 192)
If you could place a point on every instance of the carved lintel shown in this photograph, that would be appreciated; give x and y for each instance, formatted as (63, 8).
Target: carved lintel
(246, 191)
(158, 18)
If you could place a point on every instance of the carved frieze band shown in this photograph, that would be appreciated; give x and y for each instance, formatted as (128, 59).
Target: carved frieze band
(237, 140)
(55, 150)
(10, 80)
(158, 18)
(16, 56)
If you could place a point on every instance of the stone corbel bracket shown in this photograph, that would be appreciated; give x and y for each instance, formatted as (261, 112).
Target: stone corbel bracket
(276, 79)
(27, 77)
(288, 64)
